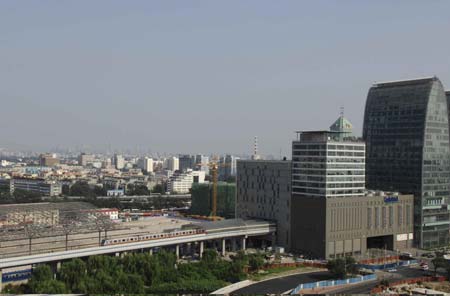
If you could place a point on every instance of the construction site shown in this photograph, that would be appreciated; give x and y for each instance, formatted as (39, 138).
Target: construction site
(202, 199)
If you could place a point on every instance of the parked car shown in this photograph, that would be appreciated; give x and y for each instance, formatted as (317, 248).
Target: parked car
(392, 270)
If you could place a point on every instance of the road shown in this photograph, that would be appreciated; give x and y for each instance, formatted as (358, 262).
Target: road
(401, 274)
(280, 285)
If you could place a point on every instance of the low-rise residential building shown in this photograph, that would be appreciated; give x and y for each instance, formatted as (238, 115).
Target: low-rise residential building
(42, 186)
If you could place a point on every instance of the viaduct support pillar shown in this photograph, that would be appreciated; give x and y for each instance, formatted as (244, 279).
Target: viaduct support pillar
(201, 249)
(223, 249)
(150, 251)
(177, 251)
(243, 243)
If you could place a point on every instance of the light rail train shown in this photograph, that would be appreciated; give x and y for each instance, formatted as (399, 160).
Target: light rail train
(146, 237)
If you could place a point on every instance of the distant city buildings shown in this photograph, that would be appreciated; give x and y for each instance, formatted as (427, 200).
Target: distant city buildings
(186, 162)
(202, 163)
(146, 164)
(406, 130)
(84, 159)
(118, 161)
(48, 160)
(227, 167)
(173, 163)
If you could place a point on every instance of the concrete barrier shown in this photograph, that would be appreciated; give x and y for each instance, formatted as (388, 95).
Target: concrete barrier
(233, 287)
(332, 283)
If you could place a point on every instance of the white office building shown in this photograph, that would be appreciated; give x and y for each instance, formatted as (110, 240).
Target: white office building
(173, 164)
(328, 164)
(181, 182)
(146, 164)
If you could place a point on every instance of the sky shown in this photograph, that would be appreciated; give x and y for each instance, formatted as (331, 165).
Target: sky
(203, 76)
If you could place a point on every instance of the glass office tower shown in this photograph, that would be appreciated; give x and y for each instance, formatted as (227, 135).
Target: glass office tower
(407, 150)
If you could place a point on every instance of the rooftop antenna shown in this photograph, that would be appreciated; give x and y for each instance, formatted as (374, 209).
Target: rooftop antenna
(255, 155)
(341, 111)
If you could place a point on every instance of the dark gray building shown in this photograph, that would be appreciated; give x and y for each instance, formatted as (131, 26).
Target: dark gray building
(264, 192)
(339, 226)
(186, 162)
(407, 136)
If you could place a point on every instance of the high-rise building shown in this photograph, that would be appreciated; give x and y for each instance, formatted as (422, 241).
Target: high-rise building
(48, 160)
(330, 206)
(447, 93)
(227, 167)
(84, 159)
(146, 164)
(186, 162)
(264, 192)
(173, 164)
(325, 164)
(406, 130)
(202, 163)
(119, 161)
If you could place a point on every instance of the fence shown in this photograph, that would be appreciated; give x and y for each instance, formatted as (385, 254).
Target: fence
(409, 281)
(387, 265)
(332, 283)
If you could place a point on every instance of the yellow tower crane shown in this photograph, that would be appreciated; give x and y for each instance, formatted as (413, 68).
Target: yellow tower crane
(213, 169)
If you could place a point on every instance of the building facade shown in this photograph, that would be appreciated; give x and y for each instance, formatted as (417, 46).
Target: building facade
(227, 167)
(84, 159)
(118, 161)
(186, 162)
(264, 192)
(347, 226)
(406, 130)
(202, 163)
(46, 188)
(181, 182)
(326, 165)
(146, 164)
(173, 164)
(48, 160)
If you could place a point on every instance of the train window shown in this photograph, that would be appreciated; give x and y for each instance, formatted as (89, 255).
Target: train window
(115, 241)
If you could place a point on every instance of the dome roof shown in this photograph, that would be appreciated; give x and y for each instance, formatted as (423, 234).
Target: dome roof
(342, 124)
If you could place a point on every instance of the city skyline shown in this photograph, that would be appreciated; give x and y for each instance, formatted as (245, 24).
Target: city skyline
(183, 78)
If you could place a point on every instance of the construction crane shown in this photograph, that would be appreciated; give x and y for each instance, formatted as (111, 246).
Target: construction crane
(213, 169)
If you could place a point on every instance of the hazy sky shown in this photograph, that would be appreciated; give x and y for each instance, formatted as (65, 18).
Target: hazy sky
(204, 76)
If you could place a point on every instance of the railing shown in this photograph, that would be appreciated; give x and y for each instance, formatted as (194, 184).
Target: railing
(387, 265)
(332, 283)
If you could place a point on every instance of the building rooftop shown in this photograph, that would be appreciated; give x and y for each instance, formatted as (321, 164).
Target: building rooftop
(405, 82)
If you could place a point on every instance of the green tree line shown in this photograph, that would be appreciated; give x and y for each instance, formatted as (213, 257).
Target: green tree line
(138, 273)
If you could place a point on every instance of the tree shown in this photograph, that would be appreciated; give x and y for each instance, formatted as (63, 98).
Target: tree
(439, 262)
(159, 188)
(133, 189)
(50, 287)
(337, 268)
(73, 274)
(256, 261)
(130, 284)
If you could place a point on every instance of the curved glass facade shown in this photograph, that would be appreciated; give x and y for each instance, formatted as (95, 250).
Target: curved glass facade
(407, 136)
